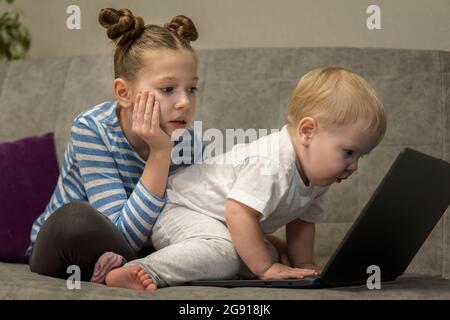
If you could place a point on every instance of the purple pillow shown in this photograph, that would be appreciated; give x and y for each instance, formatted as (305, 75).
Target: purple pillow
(28, 175)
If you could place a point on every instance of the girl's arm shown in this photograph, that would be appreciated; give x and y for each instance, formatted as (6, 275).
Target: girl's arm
(145, 124)
(156, 171)
(135, 215)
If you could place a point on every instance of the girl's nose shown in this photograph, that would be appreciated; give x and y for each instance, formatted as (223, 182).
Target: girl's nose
(183, 102)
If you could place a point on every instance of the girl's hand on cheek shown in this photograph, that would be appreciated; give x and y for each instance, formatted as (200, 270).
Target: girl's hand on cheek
(146, 115)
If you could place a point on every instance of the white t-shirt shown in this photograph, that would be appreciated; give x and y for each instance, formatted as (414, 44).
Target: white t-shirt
(262, 175)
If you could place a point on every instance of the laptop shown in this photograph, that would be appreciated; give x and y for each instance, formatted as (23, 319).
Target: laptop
(389, 231)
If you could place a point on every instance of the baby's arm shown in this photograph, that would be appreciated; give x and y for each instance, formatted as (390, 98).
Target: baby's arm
(248, 239)
(300, 244)
(247, 236)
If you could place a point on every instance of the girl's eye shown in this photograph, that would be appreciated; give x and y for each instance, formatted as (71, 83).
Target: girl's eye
(193, 89)
(167, 89)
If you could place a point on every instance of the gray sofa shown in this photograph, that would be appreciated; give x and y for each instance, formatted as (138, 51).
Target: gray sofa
(249, 88)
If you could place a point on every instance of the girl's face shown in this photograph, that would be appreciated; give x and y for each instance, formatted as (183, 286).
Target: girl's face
(171, 75)
(332, 155)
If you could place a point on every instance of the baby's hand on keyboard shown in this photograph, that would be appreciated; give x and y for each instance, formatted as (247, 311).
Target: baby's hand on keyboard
(281, 271)
(311, 266)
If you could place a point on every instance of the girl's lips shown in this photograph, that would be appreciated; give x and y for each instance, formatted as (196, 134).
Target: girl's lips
(178, 125)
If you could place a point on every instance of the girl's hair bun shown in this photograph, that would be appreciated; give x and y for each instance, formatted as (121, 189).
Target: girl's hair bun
(183, 27)
(122, 26)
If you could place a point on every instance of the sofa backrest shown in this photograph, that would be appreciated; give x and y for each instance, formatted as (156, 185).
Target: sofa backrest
(250, 88)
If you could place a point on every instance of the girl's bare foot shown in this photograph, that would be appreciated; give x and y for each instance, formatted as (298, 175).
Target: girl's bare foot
(132, 277)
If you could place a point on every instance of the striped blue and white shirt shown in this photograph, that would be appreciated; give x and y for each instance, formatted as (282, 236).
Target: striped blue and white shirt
(101, 167)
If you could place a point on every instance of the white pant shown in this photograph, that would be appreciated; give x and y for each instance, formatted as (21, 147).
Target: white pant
(192, 246)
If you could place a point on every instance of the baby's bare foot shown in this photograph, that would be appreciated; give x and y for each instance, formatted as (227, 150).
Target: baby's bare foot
(132, 277)
(146, 281)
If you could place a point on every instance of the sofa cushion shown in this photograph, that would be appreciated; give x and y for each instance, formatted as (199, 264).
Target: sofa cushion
(29, 172)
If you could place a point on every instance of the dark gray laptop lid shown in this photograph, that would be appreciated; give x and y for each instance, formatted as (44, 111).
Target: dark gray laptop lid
(395, 222)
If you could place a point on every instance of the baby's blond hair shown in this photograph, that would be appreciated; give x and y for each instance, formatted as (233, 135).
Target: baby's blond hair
(335, 96)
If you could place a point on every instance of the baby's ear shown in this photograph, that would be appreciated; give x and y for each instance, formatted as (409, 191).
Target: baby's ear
(123, 92)
(305, 129)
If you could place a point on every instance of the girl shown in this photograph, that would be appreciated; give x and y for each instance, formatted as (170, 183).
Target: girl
(113, 179)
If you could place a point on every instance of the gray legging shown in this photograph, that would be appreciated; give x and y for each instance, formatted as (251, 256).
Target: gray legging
(76, 234)
(192, 246)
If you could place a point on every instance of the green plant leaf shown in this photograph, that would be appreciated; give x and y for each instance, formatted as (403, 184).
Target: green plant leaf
(3, 17)
(15, 38)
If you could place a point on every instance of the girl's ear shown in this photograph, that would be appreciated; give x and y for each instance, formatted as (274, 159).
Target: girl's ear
(123, 92)
(305, 130)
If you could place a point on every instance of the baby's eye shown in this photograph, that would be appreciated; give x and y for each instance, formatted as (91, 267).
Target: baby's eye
(167, 89)
(349, 152)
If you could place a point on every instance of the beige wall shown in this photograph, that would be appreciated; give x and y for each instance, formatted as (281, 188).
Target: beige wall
(410, 24)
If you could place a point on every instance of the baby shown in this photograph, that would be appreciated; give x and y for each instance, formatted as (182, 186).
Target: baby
(219, 214)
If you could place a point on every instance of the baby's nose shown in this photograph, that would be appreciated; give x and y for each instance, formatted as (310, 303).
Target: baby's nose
(353, 167)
